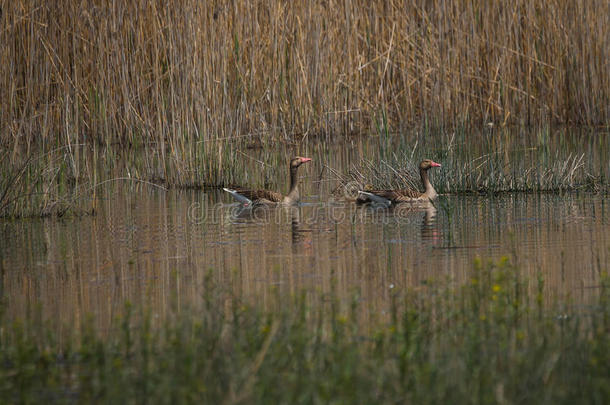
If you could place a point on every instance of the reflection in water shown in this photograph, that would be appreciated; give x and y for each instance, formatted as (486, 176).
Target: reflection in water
(262, 215)
(152, 247)
(429, 228)
(298, 233)
(407, 214)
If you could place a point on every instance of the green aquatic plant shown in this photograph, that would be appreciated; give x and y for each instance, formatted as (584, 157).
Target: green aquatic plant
(482, 163)
(489, 340)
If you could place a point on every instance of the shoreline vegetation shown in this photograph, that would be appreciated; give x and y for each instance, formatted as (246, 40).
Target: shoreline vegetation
(179, 85)
(68, 180)
(495, 339)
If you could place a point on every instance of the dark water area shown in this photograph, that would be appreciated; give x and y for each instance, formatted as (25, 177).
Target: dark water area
(158, 247)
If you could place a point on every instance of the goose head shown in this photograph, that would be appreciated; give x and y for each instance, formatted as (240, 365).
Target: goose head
(298, 161)
(427, 164)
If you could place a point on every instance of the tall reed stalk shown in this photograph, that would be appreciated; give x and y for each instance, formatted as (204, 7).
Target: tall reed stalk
(166, 73)
(173, 78)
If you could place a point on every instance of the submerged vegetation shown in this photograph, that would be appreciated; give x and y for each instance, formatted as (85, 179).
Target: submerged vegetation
(494, 340)
(160, 92)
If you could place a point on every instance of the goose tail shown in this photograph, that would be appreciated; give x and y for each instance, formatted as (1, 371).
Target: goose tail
(376, 199)
(242, 199)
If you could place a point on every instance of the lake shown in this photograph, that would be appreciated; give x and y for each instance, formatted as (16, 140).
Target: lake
(157, 247)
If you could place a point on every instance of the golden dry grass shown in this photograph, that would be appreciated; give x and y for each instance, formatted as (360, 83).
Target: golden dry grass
(168, 72)
(175, 76)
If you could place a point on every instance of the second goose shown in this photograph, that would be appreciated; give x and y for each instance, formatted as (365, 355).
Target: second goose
(389, 197)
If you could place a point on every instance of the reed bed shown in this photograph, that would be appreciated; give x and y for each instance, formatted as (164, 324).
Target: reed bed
(34, 185)
(153, 72)
(493, 340)
(179, 81)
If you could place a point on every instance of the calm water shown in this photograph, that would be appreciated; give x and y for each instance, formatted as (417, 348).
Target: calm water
(157, 247)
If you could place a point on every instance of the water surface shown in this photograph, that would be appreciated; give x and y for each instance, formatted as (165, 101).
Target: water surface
(159, 248)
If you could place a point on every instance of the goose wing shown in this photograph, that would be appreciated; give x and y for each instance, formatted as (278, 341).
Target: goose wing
(408, 193)
(390, 195)
(254, 195)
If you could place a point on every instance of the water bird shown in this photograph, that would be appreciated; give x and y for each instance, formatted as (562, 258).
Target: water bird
(266, 197)
(389, 197)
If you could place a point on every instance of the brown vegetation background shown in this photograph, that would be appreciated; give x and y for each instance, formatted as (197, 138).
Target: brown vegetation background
(162, 72)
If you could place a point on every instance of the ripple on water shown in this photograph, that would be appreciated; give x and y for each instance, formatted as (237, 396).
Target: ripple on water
(149, 248)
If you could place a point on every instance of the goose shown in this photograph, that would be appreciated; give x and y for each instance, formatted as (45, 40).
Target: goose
(389, 197)
(266, 197)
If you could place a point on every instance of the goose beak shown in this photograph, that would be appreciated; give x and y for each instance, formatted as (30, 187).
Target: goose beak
(305, 160)
(434, 164)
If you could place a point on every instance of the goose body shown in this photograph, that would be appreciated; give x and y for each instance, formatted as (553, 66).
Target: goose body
(266, 197)
(389, 197)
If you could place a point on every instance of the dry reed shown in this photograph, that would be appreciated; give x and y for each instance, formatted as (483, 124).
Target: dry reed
(165, 73)
(175, 76)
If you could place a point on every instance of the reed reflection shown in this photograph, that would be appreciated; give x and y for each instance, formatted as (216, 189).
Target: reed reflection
(151, 247)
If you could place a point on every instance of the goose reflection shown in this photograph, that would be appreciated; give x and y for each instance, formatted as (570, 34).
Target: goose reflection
(301, 235)
(281, 215)
(429, 226)
(406, 213)
(252, 214)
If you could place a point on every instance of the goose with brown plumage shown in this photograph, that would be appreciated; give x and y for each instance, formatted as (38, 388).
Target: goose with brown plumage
(266, 197)
(389, 197)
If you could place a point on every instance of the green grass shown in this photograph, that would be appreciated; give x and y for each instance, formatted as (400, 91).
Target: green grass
(68, 180)
(494, 340)
(36, 185)
(490, 162)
